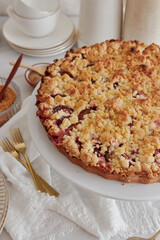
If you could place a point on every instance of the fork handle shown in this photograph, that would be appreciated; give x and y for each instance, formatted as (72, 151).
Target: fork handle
(34, 176)
(154, 237)
(49, 189)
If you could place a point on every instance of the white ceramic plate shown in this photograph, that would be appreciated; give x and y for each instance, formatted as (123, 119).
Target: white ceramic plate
(89, 181)
(69, 41)
(4, 201)
(44, 54)
(47, 52)
(61, 33)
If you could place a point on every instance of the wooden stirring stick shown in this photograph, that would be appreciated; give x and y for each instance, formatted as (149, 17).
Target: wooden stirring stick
(41, 69)
(11, 75)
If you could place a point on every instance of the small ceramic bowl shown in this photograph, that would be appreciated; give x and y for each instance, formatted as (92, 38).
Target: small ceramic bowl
(15, 107)
(38, 27)
(33, 80)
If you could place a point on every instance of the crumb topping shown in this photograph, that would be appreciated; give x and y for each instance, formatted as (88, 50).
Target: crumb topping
(102, 104)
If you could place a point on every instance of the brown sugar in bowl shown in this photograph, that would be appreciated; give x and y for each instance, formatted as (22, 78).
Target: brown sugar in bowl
(8, 99)
(11, 102)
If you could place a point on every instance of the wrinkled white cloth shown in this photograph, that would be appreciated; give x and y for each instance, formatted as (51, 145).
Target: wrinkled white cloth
(33, 215)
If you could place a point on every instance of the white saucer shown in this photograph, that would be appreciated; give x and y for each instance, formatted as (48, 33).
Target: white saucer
(54, 48)
(62, 32)
(69, 40)
(47, 52)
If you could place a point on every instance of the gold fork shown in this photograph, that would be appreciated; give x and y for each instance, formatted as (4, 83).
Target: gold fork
(138, 238)
(20, 146)
(8, 147)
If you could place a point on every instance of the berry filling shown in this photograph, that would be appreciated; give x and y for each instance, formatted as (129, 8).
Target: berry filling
(115, 85)
(97, 150)
(62, 107)
(58, 94)
(85, 111)
(138, 94)
(62, 72)
(78, 143)
(70, 128)
(60, 120)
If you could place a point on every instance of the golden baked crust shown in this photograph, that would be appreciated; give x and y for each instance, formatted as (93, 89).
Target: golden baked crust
(100, 105)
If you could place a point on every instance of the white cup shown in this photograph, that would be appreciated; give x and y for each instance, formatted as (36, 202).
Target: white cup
(35, 27)
(35, 8)
(99, 20)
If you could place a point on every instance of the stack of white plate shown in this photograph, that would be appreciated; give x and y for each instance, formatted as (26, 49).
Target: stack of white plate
(60, 40)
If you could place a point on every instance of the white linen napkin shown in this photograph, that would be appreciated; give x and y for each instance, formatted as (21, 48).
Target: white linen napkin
(33, 215)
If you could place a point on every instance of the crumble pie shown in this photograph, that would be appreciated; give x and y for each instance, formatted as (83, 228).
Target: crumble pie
(100, 106)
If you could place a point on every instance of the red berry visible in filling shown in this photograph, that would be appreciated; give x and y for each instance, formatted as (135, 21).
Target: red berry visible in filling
(77, 79)
(57, 139)
(93, 81)
(62, 107)
(62, 72)
(60, 120)
(39, 99)
(141, 94)
(157, 151)
(143, 66)
(106, 156)
(85, 111)
(42, 115)
(90, 64)
(115, 85)
(78, 143)
(133, 49)
(70, 128)
(58, 94)
(97, 150)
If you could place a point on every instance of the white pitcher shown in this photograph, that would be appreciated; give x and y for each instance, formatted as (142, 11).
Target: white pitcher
(99, 20)
(142, 21)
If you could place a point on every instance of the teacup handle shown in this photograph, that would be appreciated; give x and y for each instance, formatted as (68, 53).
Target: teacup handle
(10, 12)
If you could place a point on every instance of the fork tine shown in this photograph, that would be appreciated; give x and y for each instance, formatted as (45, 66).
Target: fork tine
(3, 145)
(10, 144)
(20, 135)
(6, 144)
(16, 135)
(12, 136)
